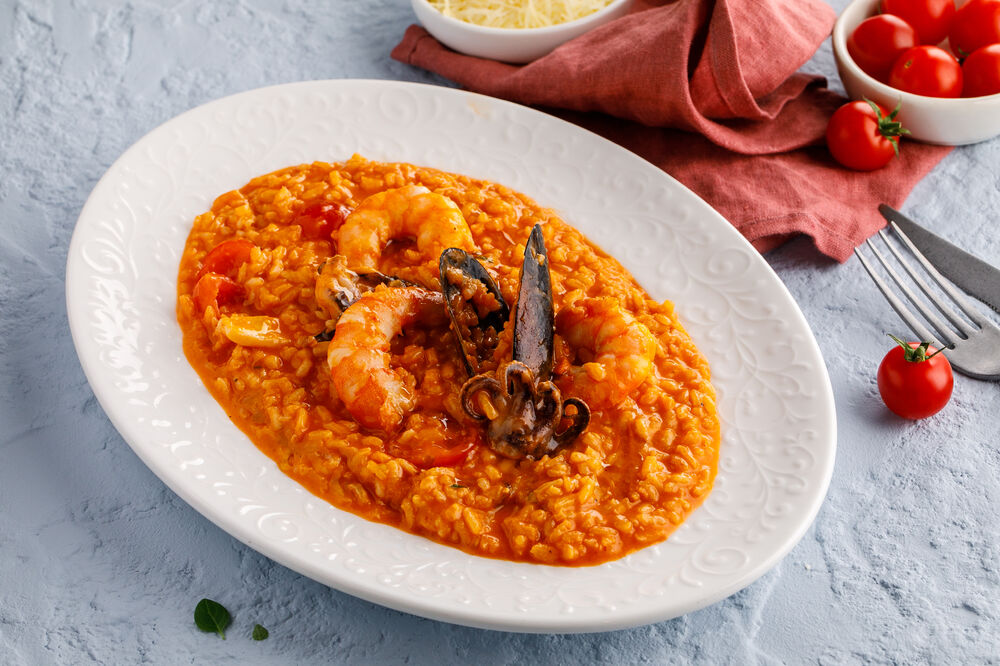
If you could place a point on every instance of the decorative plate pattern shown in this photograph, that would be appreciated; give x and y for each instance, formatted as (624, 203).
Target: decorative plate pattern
(775, 398)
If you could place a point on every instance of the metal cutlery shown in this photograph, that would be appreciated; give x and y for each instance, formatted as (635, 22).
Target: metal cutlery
(972, 341)
(972, 274)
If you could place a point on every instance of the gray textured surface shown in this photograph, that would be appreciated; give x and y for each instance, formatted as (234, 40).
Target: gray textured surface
(99, 562)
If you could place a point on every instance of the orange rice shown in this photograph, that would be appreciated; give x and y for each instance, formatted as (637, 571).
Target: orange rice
(641, 467)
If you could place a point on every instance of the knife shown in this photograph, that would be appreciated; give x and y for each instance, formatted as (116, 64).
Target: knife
(967, 271)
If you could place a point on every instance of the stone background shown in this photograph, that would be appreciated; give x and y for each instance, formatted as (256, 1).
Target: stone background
(99, 562)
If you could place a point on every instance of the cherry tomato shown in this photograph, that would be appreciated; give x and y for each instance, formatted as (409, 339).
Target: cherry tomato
(213, 290)
(915, 380)
(451, 456)
(320, 220)
(930, 18)
(981, 71)
(226, 256)
(434, 454)
(862, 136)
(927, 70)
(976, 24)
(878, 41)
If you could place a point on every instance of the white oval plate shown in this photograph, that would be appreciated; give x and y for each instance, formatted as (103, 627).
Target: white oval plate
(775, 398)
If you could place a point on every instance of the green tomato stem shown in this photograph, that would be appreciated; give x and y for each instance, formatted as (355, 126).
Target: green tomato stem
(916, 354)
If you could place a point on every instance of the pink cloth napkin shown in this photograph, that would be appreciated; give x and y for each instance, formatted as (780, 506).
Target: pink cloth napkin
(708, 91)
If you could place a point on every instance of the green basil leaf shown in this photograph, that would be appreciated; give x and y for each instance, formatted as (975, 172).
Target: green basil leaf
(212, 616)
(259, 633)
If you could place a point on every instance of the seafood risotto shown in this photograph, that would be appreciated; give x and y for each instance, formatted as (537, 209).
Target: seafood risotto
(441, 354)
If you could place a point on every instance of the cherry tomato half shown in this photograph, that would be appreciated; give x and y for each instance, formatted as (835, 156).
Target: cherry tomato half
(981, 71)
(320, 220)
(914, 380)
(862, 136)
(878, 41)
(213, 290)
(226, 256)
(451, 456)
(930, 18)
(976, 24)
(927, 70)
(434, 454)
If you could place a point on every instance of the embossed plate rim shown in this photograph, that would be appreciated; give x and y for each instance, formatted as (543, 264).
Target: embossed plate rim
(128, 344)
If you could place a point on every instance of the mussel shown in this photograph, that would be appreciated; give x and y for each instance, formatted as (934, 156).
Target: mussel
(477, 309)
(523, 407)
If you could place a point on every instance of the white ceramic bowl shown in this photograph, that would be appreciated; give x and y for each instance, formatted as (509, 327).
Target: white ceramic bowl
(508, 44)
(948, 121)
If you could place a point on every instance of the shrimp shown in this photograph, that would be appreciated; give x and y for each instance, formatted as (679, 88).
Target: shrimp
(337, 286)
(623, 350)
(377, 395)
(414, 211)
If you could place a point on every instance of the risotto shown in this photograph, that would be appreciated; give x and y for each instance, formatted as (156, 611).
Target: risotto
(355, 391)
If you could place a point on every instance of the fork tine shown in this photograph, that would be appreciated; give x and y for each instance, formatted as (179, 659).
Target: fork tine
(962, 302)
(915, 325)
(944, 333)
(942, 307)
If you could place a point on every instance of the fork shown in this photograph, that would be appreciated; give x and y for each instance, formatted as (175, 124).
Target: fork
(974, 348)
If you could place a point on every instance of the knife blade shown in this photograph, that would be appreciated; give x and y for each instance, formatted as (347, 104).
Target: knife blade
(969, 272)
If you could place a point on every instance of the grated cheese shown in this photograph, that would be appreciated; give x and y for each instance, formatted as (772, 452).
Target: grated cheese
(518, 13)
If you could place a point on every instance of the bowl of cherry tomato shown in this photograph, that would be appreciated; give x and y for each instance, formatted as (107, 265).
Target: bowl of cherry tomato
(937, 60)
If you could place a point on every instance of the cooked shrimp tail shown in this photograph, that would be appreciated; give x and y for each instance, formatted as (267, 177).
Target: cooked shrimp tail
(337, 286)
(622, 349)
(377, 395)
(434, 221)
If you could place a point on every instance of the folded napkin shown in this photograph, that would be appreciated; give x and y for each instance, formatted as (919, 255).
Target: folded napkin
(708, 91)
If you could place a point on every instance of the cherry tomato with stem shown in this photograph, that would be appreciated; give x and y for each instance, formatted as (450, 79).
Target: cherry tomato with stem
(927, 70)
(976, 24)
(981, 71)
(914, 379)
(877, 41)
(862, 136)
(930, 18)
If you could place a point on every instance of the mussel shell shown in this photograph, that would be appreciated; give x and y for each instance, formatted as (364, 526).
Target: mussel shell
(470, 268)
(534, 325)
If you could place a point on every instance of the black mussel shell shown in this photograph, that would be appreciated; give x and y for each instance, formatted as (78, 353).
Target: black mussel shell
(480, 337)
(533, 316)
